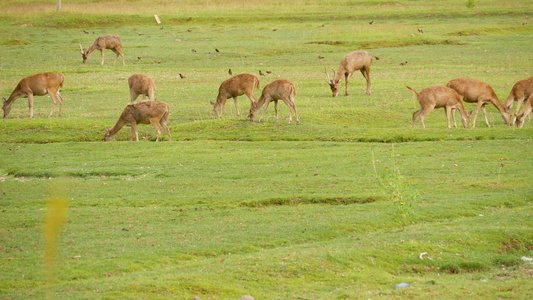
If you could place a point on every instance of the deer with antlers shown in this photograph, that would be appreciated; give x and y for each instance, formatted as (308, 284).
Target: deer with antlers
(238, 85)
(357, 60)
(142, 112)
(37, 85)
(475, 91)
(102, 43)
(436, 97)
(277, 90)
(141, 84)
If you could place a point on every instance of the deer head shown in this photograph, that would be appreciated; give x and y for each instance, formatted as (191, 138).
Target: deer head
(6, 107)
(107, 136)
(84, 54)
(333, 84)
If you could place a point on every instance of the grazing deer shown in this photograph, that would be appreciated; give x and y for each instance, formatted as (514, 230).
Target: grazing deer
(475, 91)
(277, 90)
(101, 43)
(141, 84)
(519, 118)
(522, 90)
(38, 85)
(237, 85)
(436, 97)
(357, 60)
(142, 112)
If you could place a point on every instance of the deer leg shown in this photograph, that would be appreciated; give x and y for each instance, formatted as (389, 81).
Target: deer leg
(346, 78)
(292, 105)
(276, 109)
(424, 112)
(118, 51)
(416, 114)
(134, 131)
(267, 102)
(479, 105)
(133, 95)
(485, 115)
(366, 73)
(53, 95)
(453, 117)
(236, 106)
(449, 111)
(102, 52)
(155, 123)
(30, 104)
(164, 125)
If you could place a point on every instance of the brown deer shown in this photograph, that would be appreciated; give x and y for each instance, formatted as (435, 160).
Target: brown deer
(238, 85)
(101, 43)
(526, 112)
(436, 97)
(38, 85)
(357, 60)
(475, 91)
(277, 90)
(141, 84)
(142, 112)
(521, 91)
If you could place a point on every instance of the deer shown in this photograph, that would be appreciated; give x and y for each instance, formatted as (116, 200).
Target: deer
(437, 96)
(522, 90)
(142, 112)
(37, 85)
(102, 43)
(277, 90)
(357, 60)
(141, 84)
(475, 91)
(238, 85)
(519, 118)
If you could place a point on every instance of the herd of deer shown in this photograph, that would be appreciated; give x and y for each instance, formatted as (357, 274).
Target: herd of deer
(156, 113)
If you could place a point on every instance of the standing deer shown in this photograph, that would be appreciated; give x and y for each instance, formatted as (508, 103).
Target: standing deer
(101, 43)
(142, 112)
(38, 85)
(141, 84)
(475, 91)
(277, 90)
(436, 97)
(526, 112)
(522, 90)
(357, 60)
(237, 85)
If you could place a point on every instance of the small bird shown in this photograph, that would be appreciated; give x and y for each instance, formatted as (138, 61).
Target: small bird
(141, 33)
(371, 22)
(420, 30)
(182, 76)
(193, 51)
(403, 63)
(216, 49)
(85, 31)
(189, 19)
(159, 62)
(275, 29)
(320, 57)
(161, 27)
(269, 72)
(139, 57)
(261, 73)
(189, 30)
(231, 73)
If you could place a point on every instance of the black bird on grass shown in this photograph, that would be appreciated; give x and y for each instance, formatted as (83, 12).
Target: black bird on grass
(261, 73)
(231, 73)
(182, 76)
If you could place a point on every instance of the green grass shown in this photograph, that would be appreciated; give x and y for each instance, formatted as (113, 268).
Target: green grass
(338, 207)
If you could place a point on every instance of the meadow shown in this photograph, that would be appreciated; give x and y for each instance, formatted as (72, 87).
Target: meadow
(345, 205)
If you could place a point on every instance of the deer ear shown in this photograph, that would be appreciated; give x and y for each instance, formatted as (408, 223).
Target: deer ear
(470, 113)
(212, 103)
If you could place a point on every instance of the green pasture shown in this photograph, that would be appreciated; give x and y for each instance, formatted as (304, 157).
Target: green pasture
(339, 207)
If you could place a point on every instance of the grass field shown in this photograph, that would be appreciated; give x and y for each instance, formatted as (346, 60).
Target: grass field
(339, 207)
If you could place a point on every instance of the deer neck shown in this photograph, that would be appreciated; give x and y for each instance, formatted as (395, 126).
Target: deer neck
(498, 104)
(117, 127)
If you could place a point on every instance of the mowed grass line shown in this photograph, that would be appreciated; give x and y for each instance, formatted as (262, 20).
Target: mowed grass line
(179, 218)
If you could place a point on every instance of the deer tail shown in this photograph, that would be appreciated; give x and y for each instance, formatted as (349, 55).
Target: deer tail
(377, 58)
(258, 84)
(416, 93)
(62, 80)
